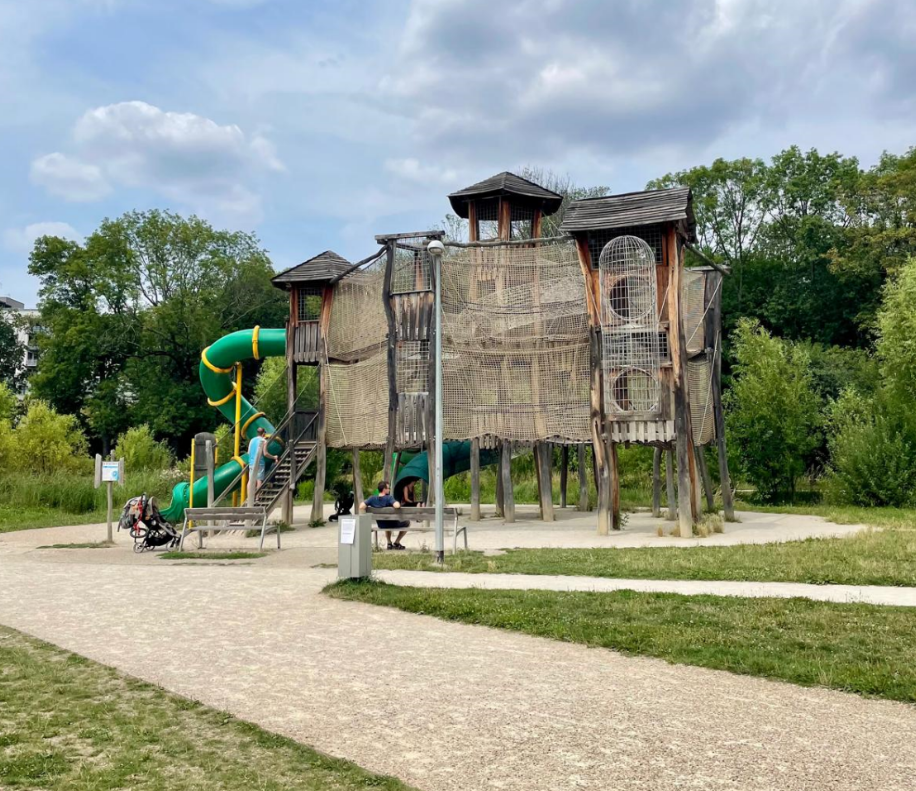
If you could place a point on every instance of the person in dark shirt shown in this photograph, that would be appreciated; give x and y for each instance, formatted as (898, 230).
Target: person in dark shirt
(384, 500)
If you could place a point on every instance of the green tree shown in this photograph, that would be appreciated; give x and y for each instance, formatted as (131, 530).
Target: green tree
(773, 417)
(48, 441)
(12, 352)
(129, 312)
(896, 343)
(140, 450)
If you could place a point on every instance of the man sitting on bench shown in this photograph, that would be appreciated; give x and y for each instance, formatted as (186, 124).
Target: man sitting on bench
(384, 500)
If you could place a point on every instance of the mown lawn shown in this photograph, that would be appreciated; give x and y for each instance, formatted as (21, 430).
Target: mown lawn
(33, 517)
(69, 723)
(205, 555)
(858, 648)
(872, 557)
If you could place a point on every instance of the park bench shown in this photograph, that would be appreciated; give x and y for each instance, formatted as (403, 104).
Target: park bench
(423, 512)
(220, 518)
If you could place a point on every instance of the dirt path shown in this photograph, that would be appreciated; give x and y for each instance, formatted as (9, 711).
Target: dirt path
(450, 706)
(864, 594)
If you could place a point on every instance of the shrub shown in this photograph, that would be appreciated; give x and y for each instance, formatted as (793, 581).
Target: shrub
(872, 452)
(773, 412)
(141, 451)
(47, 441)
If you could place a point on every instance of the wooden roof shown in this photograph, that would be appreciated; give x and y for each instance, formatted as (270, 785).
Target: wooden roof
(632, 208)
(319, 269)
(506, 184)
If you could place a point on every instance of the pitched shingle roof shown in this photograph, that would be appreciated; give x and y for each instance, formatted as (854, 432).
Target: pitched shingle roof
(506, 183)
(322, 267)
(631, 208)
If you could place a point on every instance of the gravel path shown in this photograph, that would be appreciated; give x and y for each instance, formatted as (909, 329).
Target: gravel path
(450, 706)
(865, 594)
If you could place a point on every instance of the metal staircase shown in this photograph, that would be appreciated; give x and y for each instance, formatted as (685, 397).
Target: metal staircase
(296, 436)
(277, 480)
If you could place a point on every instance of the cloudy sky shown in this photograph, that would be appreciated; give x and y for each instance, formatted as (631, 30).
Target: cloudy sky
(318, 124)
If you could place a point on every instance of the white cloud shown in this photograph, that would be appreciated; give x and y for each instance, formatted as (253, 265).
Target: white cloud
(411, 169)
(69, 177)
(21, 240)
(193, 160)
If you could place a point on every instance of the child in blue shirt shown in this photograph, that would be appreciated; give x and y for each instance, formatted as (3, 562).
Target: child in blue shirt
(384, 500)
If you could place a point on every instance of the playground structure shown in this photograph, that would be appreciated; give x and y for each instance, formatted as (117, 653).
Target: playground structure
(599, 336)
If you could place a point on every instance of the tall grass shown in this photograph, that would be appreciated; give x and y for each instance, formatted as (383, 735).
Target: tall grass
(75, 493)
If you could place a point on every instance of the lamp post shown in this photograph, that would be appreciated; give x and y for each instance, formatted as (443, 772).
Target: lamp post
(436, 250)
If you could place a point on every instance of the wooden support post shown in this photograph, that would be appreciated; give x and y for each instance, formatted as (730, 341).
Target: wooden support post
(292, 376)
(583, 481)
(669, 485)
(657, 483)
(321, 447)
(543, 453)
(564, 474)
(687, 510)
(707, 481)
(714, 328)
(505, 472)
(357, 481)
(475, 480)
(614, 483)
(596, 393)
(392, 365)
(500, 495)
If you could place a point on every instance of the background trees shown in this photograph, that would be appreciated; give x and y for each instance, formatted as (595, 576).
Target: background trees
(128, 312)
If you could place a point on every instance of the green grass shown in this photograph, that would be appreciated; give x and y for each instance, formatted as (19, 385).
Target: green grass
(859, 648)
(69, 723)
(234, 555)
(84, 545)
(872, 557)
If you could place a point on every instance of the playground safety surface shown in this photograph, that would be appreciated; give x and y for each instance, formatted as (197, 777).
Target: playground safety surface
(441, 705)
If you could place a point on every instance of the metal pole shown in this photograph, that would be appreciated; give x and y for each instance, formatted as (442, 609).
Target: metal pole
(436, 249)
(110, 536)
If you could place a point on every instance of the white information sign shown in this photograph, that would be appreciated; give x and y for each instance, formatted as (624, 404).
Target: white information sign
(111, 471)
(347, 529)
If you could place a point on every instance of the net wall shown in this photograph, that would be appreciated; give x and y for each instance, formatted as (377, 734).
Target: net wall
(411, 266)
(693, 289)
(357, 412)
(699, 384)
(358, 325)
(515, 343)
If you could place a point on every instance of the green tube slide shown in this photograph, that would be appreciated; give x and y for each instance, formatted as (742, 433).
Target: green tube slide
(216, 377)
(456, 458)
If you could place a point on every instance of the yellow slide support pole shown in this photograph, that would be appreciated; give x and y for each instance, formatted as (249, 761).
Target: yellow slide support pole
(238, 428)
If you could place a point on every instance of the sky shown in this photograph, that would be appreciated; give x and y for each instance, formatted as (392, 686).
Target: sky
(317, 125)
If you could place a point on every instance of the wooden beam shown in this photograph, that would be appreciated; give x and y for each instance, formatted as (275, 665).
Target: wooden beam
(657, 483)
(505, 471)
(708, 490)
(669, 485)
(475, 480)
(543, 454)
(292, 371)
(687, 507)
(321, 455)
(583, 480)
(596, 417)
(614, 481)
(392, 364)
(357, 480)
(714, 327)
(564, 474)
(500, 495)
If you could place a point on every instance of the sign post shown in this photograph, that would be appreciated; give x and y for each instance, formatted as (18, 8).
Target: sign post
(109, 473)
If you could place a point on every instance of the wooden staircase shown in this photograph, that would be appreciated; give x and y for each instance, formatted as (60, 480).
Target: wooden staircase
(278, 481)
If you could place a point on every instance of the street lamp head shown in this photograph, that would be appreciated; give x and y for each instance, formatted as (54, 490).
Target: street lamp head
(436, 248)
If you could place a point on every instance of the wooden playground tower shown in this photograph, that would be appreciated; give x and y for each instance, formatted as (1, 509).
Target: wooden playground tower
(651, 328)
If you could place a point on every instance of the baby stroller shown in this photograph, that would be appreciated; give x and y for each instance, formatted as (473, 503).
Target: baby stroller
(141, 518)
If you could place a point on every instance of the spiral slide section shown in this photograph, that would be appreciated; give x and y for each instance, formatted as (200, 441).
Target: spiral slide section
(217, 378)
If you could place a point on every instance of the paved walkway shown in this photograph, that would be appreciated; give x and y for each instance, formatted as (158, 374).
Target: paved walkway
(443, 705)
(865, 594)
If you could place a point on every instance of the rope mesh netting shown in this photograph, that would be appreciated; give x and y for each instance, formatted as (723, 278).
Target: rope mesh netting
(358, 403)
(515, 343)
(699, 385)
(693, 289)
(358, 325)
